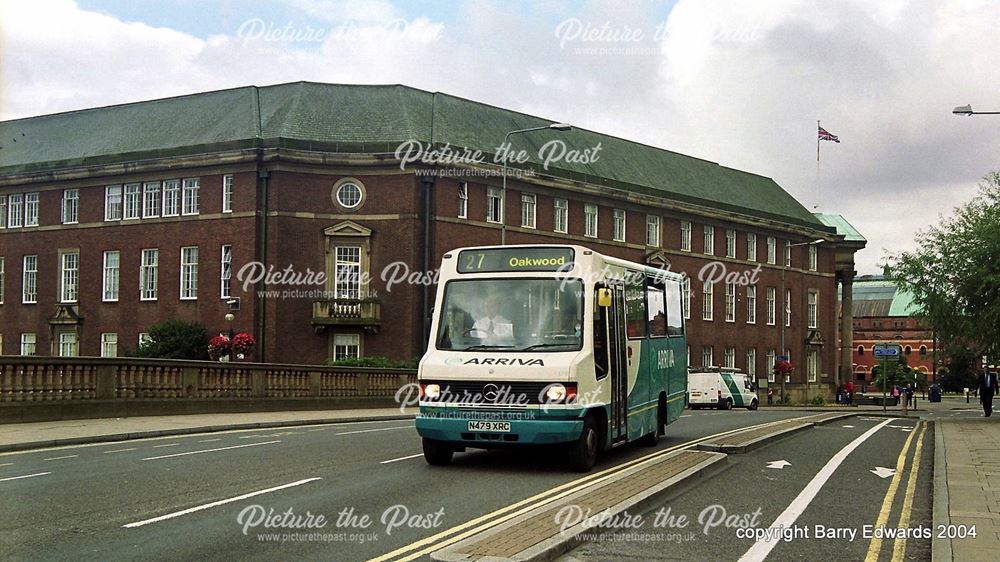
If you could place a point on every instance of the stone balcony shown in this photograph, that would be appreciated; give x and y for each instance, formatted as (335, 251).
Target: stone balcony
(365, 313)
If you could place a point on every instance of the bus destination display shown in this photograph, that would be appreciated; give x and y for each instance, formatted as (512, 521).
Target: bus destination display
(515, 259)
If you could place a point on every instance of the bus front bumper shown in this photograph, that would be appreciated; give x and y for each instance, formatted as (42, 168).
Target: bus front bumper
(456, 429)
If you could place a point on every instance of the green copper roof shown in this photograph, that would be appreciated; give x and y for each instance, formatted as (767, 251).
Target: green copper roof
(843, 227)
(375, 119)
(877, 296)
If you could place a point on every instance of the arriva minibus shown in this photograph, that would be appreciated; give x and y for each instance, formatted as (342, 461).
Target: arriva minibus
(550, 345)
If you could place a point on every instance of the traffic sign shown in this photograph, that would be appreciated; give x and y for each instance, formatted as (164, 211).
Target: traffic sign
(888, 351)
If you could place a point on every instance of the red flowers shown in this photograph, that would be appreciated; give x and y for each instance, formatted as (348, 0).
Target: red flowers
(242, 343)
(218, 347)
(783, 367)
(221, 347)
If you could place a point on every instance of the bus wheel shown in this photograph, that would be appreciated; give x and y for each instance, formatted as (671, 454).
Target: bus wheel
(651, 439)
(437, 453)
(583, 451)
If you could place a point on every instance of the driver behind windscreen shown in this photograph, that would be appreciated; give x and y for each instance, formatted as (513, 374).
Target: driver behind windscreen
(492, 327)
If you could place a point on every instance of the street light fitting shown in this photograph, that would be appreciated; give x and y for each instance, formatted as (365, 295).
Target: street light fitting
(561, 126)
(963, 110)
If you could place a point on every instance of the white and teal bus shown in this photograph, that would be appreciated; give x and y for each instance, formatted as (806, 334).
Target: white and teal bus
(547, 345)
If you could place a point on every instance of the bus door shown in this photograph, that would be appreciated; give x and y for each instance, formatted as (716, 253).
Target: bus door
(611, 331)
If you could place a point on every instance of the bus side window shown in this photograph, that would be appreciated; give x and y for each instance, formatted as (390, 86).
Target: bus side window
(600, 339)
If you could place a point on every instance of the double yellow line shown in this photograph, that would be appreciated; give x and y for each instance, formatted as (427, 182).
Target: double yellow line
(899, 546)
(460, 532)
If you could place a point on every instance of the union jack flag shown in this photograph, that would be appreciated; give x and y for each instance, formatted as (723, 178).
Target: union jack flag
(827, 135)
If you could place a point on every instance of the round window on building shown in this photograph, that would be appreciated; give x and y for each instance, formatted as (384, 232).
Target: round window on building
(348, 194)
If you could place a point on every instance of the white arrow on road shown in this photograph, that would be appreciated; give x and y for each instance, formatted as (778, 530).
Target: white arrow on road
(883, 472)
(778, 464)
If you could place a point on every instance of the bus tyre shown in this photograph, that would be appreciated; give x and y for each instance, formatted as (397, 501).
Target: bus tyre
(437, 453)
(752, 406)
(651, 439)
(583, 451)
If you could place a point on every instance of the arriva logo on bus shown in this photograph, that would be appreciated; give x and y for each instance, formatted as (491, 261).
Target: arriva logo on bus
(504, 361)
(664, 359)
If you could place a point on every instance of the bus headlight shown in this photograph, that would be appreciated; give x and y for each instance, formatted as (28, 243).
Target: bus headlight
(555, 393)
(432, 391)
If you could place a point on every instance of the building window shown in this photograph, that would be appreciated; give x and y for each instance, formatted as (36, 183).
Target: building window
(225, 290)
(771, 295)
(730, 302)
(561, 215)
(113, 203)
(706, 356)
(687, 298)
(148, 272)
(27, 344)
(15, 210)
(494, 205)
(771, 250)
(813, 258)
(788, 255)
(923, 348)
(751, 304)
(751, 246)
(71, 206)
(112, 276)
(788, 307)
(189, 272)
(30, 209)
(69, 276)
(463, 200)
(151, 203)
(812, 365)
(730, 243)
(685, 236)
(67, 344)
(528, 210)
(590, 221)
(3, 211)
(706, 295)
(349, 195)
(29, 280)
(653, 231)
(861, 350)
(132, 201)
(1, 279)
(346, 346)
(619, 220)
(688, 355)
(752, 362)
(347, 272)
(709, 240)
(190, 202)
(227, 193)
(109, 345)
(729, 359)
(171, 198)
(907, 350)
(771, 360)
(813, 308)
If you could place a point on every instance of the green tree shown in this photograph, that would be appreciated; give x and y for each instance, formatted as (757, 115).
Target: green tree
(175, 339)
(897, 373)
(954, 275)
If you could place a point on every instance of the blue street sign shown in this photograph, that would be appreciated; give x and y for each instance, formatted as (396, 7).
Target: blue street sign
(888, 352)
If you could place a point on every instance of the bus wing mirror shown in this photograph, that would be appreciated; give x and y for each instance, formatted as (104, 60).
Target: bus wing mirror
(604, 297)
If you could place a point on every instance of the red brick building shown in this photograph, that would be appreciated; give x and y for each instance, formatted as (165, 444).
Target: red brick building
(119, 217)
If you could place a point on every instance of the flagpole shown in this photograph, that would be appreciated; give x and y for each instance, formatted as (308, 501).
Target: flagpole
(816, 206)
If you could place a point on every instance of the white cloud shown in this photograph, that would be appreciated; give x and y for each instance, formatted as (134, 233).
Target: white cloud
(738, 83)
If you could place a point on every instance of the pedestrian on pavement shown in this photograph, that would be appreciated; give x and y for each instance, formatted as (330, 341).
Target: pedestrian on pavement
(987, 386)
(909, 395)
(770, 396)
(895, 393)
(850, 393)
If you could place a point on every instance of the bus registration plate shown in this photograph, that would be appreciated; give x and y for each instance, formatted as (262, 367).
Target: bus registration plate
(501, 427)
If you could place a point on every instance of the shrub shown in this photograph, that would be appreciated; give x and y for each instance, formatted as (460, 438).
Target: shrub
(175, 339)
(380, 362)
(819, 400)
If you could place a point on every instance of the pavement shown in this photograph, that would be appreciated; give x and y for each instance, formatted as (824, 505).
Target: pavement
(966, 456)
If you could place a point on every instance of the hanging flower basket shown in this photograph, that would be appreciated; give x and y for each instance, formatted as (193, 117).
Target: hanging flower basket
(242, 344)
(218, 348)
(783, 367)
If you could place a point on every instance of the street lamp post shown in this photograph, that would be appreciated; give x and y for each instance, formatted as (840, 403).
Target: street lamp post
(966, 110)
(784, 301)
(503, 190)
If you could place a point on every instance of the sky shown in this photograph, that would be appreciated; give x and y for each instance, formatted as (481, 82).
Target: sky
(738, 83)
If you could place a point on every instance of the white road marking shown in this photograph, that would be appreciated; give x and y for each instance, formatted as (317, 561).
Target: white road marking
(209, 450)
(6, 464)
(403, 458)
(319, 429)
(371, 430)
(167, 445)
(759, 551)
(848, 426)
(25, 476)
(778, 464)
(686, 416)
(60, 458)
(217, 503)
(119, 450)
(883, 472)
(209, 440)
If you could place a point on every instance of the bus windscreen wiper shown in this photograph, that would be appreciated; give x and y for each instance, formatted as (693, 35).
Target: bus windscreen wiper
(484, 346)
(541, 345)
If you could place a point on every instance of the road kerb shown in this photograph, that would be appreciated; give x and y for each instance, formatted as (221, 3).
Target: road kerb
(940, 547)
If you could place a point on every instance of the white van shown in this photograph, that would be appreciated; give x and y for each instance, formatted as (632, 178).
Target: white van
(722, 388)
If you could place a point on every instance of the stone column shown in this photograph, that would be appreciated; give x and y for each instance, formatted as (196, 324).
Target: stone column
(846, 327)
